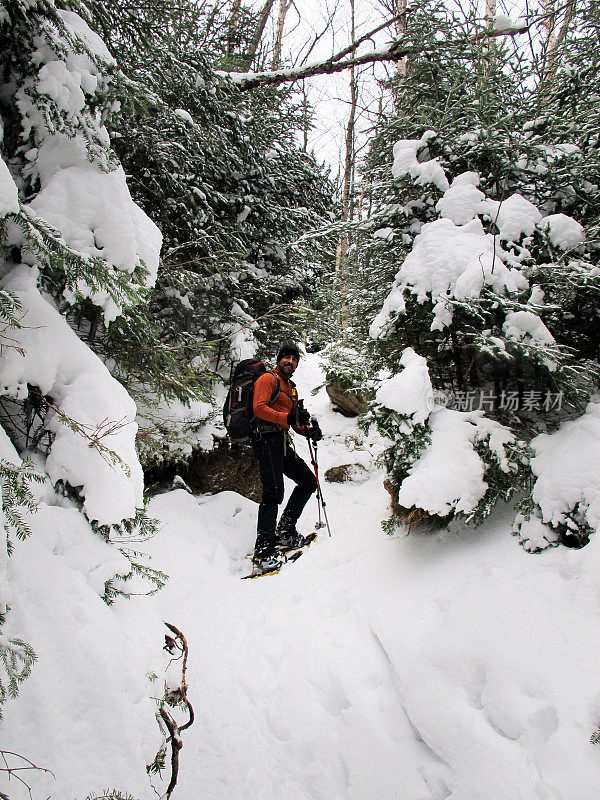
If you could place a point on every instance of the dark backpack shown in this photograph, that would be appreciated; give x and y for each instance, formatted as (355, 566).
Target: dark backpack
(238, 415)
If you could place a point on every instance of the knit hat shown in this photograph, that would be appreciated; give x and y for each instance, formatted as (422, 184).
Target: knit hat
(288, 349)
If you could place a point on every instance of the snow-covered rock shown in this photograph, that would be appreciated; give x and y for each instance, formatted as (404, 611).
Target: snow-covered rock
(449, 475)
(9, 195)
(409, 392)
(567, 470)
(83, 390)
(184, 115)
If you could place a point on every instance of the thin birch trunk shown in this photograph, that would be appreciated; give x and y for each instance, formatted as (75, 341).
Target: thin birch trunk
(555, 40)
(263, 18)
(489, 45)
(284, 6)
(553, 43)
(347, 206)
(232, 26)
(400, 9)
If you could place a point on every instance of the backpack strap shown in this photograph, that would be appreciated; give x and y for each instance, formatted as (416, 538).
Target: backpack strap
(256, 423)
(277, 388)
(294, 394)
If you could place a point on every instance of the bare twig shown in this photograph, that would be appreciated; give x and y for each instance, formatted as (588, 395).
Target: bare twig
(176, 745)
(481, 264)
(94, 433)
(272, 312)
(317, 38)
(12, 771)
(502, 196)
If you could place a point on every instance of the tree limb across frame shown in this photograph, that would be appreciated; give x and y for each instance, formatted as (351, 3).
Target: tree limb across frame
(394, 51)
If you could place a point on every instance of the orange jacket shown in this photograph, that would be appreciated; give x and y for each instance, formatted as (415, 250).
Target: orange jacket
(286, 400)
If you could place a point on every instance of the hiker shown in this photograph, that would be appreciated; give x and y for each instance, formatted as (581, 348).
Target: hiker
(275, 412)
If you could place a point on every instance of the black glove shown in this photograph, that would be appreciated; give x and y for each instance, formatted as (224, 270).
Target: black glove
(298, 417)
(303, 417)
(315, 433)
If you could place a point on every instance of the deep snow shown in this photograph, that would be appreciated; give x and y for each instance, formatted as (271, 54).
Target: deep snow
(423, 667)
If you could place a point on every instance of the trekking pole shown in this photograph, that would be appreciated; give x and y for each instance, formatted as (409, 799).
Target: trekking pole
(320, 524)
(320, 498)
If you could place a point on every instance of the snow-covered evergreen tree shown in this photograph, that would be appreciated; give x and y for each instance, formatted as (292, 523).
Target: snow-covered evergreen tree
(73, 240)
(489, 265)
(221, 174)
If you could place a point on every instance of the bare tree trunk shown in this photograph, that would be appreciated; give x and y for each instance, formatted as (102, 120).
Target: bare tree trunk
(258, 34)
(553, 42)
(489, 45)
(347, 187)
(349, 154)
(400, 10)
(550, 48)
(305, 118)
(361, 200)
(232, 26)
(284, 6)
(564, 28)
(548, 9)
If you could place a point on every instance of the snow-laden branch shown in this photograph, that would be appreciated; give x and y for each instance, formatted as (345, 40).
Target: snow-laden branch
(395, 50)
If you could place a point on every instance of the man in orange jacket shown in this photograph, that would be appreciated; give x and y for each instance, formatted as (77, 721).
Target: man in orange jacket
(276, 409)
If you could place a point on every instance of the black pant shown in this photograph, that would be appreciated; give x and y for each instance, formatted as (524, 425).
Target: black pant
(276, 458)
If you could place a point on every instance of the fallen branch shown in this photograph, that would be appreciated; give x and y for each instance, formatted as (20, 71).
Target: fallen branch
(395, 51)
(178, 647)
(176, 745)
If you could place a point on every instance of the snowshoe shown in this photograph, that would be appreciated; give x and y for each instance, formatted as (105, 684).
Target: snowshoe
(271, 565)
(267, 560)
(294, 541)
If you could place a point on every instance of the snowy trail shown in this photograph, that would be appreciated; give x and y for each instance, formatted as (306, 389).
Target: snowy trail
(286, 674)
(445, 666)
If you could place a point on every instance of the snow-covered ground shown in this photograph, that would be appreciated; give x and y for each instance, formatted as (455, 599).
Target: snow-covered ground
(425, 667)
